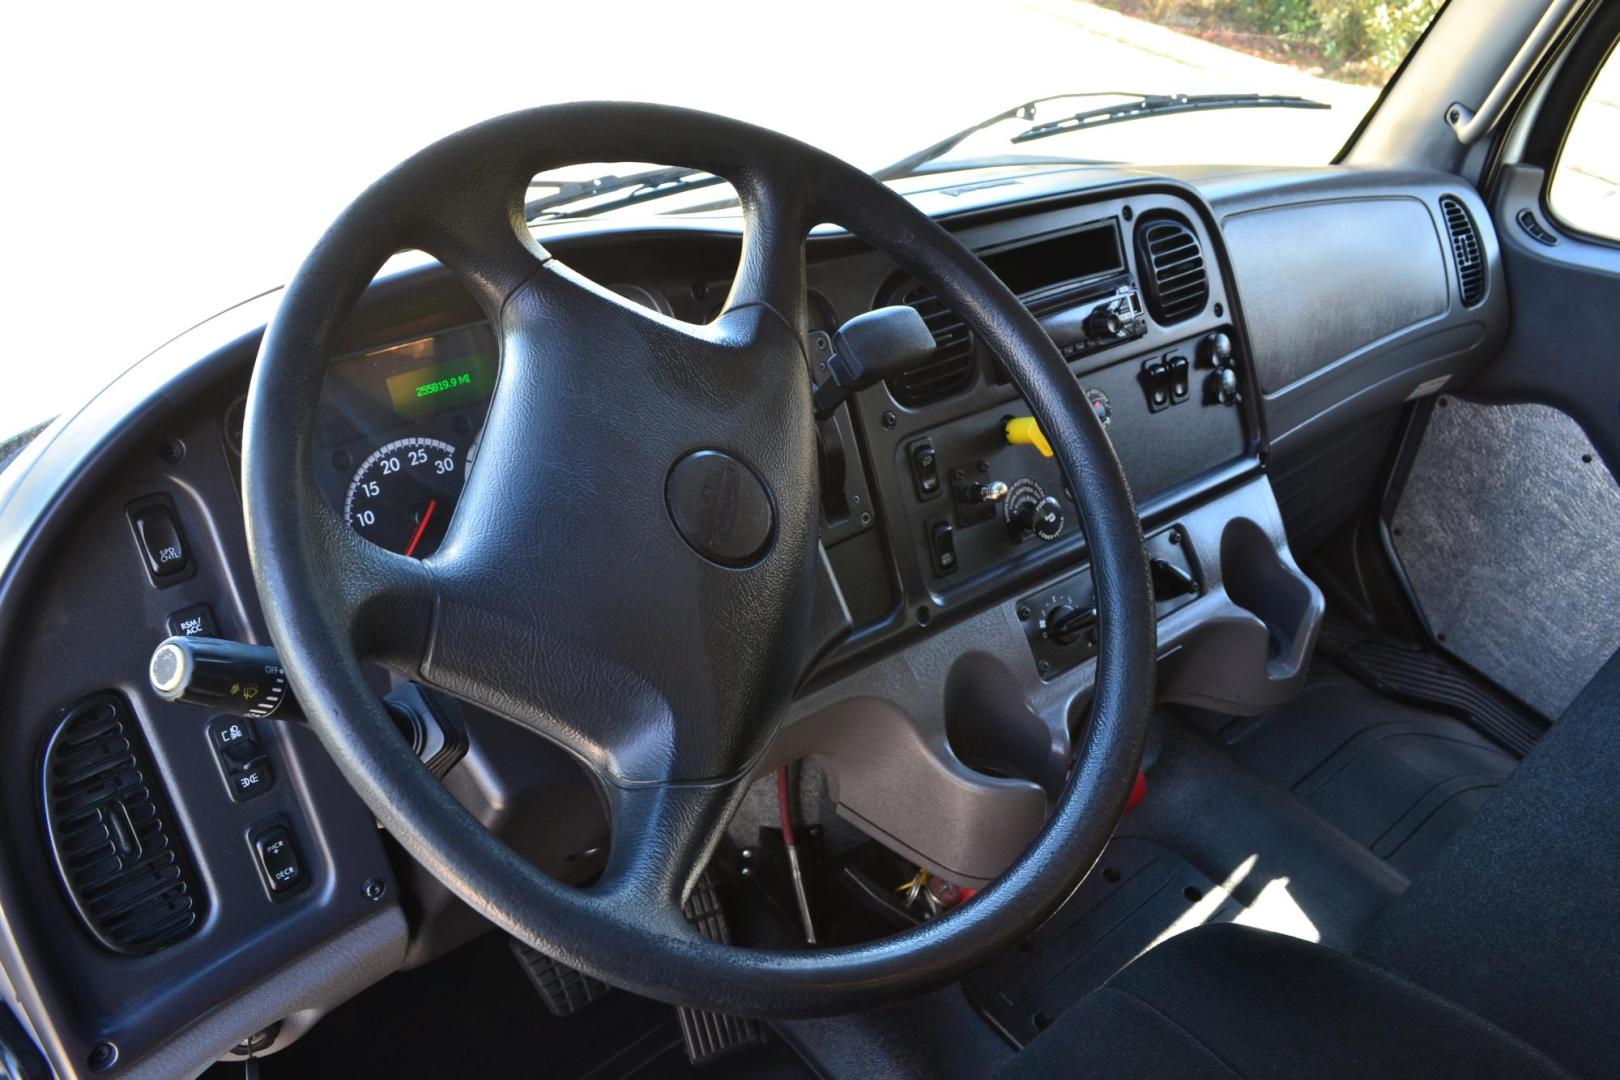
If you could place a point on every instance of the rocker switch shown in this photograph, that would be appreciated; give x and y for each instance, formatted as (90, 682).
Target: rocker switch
(1156, 382)
(942, 546)
(924, 469)
(279, 860)
(1179, 371)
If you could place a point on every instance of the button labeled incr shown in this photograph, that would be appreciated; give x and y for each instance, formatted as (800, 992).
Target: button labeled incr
(279, 860)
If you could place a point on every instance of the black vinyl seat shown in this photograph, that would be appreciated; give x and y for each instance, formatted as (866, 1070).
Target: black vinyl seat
(1502, 960)
(1225, 1000)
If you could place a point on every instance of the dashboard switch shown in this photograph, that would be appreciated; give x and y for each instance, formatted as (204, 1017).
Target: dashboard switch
(1216, 349)
(162, 544)
(251, 780)
(1030, 511)
(226, 676)
(1180, 372)
(942, 547)
(242, 758)
(279, 860)
(1156, 381)
(1043, 518)
(1169, 580)
(194, 621)
(925, 469)
(228, 734)
(1066, 623)
(1025, 431)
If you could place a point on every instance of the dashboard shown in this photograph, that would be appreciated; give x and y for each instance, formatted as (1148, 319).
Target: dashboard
(1232, 329)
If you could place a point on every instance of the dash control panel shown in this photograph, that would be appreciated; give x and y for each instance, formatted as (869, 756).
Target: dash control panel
(983, 492)
(1060, 622)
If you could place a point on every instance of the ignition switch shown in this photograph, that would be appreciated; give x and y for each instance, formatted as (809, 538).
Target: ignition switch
(1030, 510)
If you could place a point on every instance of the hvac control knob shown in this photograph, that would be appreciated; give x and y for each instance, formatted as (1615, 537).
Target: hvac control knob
(1031, 510)
(1103, 323)
(1218, 349)
(1065, 623)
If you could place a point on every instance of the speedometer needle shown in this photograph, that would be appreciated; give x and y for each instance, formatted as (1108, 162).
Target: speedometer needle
(421, 527)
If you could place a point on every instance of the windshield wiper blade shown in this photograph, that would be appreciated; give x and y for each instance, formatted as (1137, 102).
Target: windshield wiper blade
(1164, 105)
(1025, 110)
(641, 187)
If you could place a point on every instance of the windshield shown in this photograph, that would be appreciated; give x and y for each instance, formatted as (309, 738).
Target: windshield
(183, 158)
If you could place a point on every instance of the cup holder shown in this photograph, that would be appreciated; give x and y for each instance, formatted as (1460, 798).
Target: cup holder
(992, 730)
(1275, 592)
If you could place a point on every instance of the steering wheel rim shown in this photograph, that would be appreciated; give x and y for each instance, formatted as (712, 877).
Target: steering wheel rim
(478, 618)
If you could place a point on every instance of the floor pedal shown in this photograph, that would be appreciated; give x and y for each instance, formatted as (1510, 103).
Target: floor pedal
(711, 1035)
(564, 990)
(1430, 678)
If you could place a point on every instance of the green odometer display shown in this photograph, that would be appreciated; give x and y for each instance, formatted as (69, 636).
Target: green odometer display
(424, 391)
(402, 496)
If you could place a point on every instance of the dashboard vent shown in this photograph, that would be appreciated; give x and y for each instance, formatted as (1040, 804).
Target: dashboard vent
(950, 370)
(1172, 268)
(116, 845)
(1465, 250)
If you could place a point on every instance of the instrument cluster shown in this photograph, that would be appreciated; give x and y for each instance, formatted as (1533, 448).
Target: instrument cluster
(398, 430)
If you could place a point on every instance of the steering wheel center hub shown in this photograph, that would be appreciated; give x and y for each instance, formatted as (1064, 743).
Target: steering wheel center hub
(721, 507)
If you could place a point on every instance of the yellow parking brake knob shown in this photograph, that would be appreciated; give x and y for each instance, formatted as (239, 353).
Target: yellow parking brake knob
(1024, 431)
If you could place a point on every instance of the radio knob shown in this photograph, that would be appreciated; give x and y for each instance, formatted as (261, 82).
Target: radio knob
(1103, 322)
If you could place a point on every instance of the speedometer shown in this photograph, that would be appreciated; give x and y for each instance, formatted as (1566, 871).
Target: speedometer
(402, 495)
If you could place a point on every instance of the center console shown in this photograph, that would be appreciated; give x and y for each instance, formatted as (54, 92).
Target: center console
(967, 681)
(967, 494)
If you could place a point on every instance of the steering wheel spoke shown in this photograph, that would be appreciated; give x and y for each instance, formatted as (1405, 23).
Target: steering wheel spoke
(771, 271)
(381, 601)
(663, 836)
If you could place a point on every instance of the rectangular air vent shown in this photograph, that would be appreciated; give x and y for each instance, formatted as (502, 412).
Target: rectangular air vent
(950, 370)
(1465, 251)
(1172, 267)
(117, 847)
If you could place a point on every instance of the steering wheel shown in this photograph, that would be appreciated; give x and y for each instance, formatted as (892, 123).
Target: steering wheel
(633, 580)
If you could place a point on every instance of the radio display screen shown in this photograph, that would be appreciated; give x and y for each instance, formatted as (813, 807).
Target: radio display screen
(1093, 251)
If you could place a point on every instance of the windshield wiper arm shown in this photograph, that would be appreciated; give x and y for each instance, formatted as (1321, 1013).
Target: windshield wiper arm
(1164, 105)
(641, 186)
(908, 165)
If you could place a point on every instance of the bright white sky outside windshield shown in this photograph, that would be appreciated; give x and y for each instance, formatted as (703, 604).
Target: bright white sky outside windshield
(167, 161)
